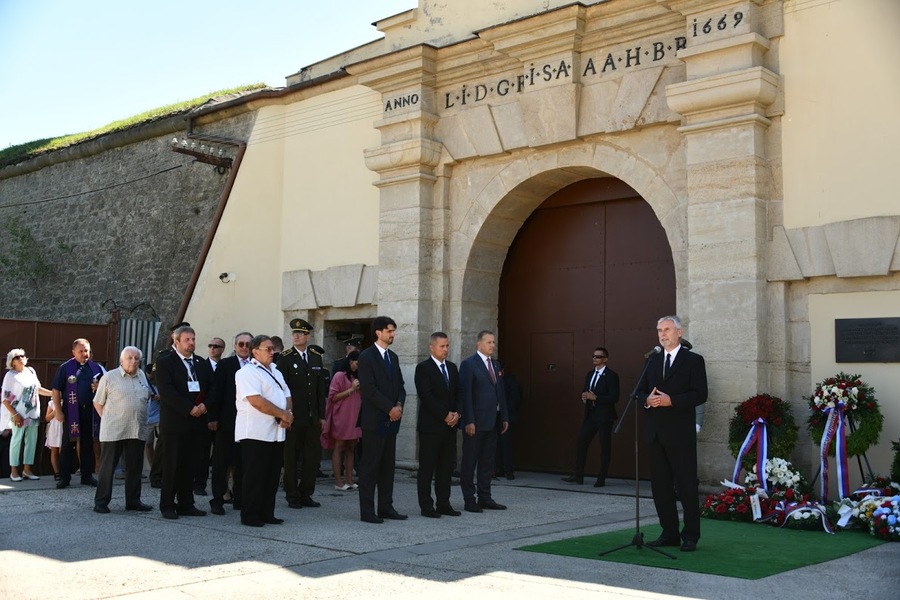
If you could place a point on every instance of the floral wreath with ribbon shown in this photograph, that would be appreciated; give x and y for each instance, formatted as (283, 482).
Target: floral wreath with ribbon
(765, 422)
(835, 402)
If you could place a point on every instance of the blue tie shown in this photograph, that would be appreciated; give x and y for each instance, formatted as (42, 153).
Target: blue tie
(444, 371)
(387, 363)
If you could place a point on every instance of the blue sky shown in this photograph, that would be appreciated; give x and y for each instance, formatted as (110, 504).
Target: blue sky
(72, 66)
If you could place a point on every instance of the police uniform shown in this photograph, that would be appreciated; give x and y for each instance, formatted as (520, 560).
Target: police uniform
(307, 381)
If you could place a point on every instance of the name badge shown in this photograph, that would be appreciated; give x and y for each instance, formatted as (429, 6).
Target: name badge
(193, 386)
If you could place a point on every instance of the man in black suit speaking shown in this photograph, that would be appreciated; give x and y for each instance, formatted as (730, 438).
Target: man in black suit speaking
(383, 396)
(437, 386)
(601, 392)
(482, 391)
(674, 386)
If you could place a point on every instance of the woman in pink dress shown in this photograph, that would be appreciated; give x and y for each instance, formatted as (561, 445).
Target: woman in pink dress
(341, 422)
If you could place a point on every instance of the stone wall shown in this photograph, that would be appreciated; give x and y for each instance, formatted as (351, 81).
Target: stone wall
(120, 217)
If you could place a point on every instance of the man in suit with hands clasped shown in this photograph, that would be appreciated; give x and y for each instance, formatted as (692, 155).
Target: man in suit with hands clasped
(601, 392)
(675, 384)
(437, 386)
(483, 407)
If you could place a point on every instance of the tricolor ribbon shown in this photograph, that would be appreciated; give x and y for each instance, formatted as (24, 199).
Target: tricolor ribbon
(757, 435)
(784, 511)
(835, 431)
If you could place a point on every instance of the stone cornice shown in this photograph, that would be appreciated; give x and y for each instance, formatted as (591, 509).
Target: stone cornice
(541, 35)
(844, 249)
(399, 70)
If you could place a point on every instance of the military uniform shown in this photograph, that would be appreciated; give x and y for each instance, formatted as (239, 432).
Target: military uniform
(307, 381)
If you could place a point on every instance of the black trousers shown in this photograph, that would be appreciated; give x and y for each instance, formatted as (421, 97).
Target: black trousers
(478, 454)
(590, 428)
(260, 483)
(226, 453)
(435, 463)
(110, 452)
(504, 449)
(159, 453)
(377, 470)
(201, 475)
(301, 444)
(673, 467)
(179, 465)
(67, 449)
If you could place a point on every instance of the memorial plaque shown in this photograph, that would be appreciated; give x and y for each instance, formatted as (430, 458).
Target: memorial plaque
(867, 340)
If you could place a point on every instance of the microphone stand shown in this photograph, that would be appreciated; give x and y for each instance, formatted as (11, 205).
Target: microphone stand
(638, 539)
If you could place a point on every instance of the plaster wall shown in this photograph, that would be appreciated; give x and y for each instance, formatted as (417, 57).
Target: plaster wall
(841, 125)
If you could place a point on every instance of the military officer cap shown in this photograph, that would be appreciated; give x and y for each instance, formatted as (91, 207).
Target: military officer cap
(355, 341)
(300, 326)
(316, 349)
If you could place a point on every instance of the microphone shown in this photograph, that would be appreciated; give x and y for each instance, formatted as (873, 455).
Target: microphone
(686, 344)
(655, 350)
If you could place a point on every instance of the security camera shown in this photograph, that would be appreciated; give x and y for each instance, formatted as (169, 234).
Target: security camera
(227, 277)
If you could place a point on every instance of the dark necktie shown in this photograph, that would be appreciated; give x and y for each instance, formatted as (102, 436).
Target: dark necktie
(303, 358)
(490, 367)
(444, 371)
(594, 380)
(191, 371)
(668, 365)
(387, 363)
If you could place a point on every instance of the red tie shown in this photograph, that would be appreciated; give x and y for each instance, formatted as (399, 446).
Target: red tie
(491, 370)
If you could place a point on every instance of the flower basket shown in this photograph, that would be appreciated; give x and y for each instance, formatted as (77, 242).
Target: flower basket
(886, 520)
(859, 405)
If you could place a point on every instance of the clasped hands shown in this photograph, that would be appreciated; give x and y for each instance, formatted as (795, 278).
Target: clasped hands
(395, 413)
(199, 410)
(657, 399)
(451, 419)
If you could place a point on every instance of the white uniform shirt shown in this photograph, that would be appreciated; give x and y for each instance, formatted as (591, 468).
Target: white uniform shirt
(253, 379)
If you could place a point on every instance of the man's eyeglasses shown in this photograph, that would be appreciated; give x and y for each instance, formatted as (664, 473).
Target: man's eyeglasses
(243, 344)
(267, 348)
(215, 346)
(598, 357)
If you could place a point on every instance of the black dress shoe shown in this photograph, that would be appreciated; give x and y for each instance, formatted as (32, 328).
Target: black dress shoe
(192, 512)
(89, 481)
(62, 483)
(294, 504)
(200, 492)
(663, 541)
(393, 515)
(448, 510)
(216, 508)
(371, 519)
(688, 546)
(140, 507)
(310, 503)
(252, 522)
(573, 479)
(431, 513)
(472, 507)
(169, 514)
(600, 483)
(272, 521)
(156, 485)
(491, 505)
(103, 510)
(511, 477)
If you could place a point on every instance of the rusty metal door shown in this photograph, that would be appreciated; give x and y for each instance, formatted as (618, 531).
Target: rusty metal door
(591, 267)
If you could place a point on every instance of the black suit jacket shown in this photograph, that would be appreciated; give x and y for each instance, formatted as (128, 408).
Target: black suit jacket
(222, 406)
(436, 399)
(686, 384)
(175, 401)
(380, 390)
(308, 384)
(607, 392)
(481, 397)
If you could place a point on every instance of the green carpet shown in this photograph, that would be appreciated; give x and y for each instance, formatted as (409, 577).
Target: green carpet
(743, 550)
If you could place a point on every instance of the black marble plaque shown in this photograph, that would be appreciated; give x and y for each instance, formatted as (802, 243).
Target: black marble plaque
(867, 340)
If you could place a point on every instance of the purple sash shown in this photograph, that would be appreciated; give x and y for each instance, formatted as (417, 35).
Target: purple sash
(71, 369)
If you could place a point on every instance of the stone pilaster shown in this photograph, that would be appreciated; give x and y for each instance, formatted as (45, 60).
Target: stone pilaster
(723, 105)
(410, 288)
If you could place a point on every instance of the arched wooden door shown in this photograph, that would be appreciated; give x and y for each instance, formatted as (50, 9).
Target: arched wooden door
(590, 267)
